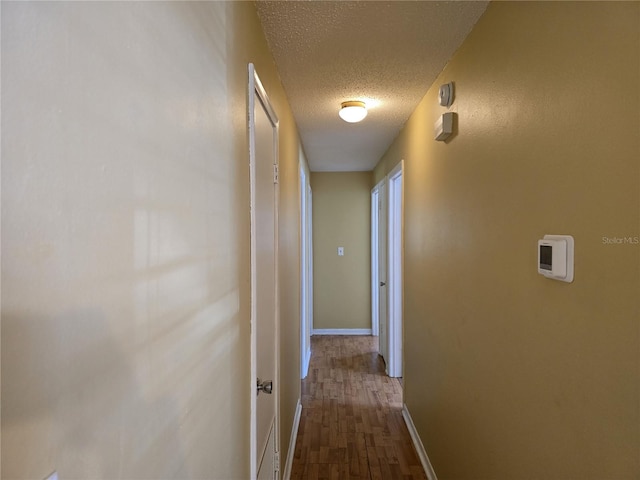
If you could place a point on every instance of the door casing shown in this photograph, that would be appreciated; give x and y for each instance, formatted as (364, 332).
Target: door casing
(306, 272)
(394, 270)
(375, 277)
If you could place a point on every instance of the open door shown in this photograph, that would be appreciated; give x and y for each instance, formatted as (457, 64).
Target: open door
(386, 266)
(394, 272)
(383, 322)
(263, 152)
(375, 282)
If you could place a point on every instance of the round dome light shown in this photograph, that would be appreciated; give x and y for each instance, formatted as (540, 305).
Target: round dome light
(353, 111)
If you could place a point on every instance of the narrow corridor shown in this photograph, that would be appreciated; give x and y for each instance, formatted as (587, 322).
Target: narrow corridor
(351, 425)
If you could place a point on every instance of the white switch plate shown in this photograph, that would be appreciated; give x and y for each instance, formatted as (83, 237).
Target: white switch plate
(340, 251)
(53, 476)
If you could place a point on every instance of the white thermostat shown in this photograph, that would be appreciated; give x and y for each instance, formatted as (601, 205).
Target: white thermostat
(555, 257)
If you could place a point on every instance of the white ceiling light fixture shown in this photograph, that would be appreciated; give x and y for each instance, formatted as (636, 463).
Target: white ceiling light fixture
(353, 111)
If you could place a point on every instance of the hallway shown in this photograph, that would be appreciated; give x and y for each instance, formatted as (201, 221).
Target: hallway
(351, 424)
(129, 279)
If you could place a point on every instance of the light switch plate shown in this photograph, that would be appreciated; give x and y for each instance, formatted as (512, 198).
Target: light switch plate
(340, 251)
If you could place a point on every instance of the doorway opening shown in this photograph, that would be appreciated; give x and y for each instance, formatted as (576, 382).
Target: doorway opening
(386, 268)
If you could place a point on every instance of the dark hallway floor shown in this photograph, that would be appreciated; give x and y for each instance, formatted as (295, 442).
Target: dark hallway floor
(351, 425)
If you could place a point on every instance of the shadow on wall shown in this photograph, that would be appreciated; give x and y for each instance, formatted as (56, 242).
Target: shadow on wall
(124, 325)
(66, 379)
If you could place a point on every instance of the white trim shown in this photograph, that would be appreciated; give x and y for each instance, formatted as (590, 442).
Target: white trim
(304, 310)
(341, 331)
(417, 443)
(306, 359)
(292, 442)
(375, 278)
(306, 267)
(253, 449)
(395, 181)
(310, 216)
(397, 170)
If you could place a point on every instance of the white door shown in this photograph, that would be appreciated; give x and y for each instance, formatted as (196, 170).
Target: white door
(263, 137)
(394, 273)
(375, 282)
(382, 272)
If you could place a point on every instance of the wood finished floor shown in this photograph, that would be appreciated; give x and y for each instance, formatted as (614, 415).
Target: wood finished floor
(351, 425)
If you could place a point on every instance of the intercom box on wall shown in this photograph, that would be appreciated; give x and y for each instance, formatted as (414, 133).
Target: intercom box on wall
(443, 127)
(555, 257)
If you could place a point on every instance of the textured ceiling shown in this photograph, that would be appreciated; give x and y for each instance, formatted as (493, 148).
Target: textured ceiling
(385, 53)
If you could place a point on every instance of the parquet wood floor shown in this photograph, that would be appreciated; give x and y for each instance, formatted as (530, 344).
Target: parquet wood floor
(351, 425)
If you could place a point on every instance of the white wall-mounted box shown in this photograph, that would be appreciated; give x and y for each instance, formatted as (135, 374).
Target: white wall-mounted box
(444, 126)
(555, 257)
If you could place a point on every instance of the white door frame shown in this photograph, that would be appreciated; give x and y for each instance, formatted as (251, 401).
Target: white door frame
(257, 92)
(394, 269)
(306, 303)
(382, 271)
(375, 278)
(310, 253)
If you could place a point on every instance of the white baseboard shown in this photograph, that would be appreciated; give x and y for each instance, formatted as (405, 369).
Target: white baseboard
(341, 331)
(292, 442)
(305, 363)
(417, 442)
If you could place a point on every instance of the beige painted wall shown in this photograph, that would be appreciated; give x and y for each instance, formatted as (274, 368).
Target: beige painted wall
(125, 239)
(510, 375)
(291, 154)
(341, 218)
